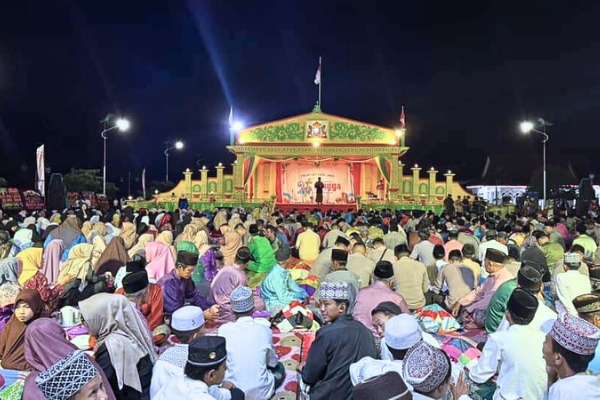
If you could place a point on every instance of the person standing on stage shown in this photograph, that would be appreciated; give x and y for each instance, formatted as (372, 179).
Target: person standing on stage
(319, 187)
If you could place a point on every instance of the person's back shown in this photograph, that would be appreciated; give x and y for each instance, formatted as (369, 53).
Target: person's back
(412, 281)
(322, 265)
(570, 285)
(459, 280)
(249, 345)
(308, 244)
(262, 252)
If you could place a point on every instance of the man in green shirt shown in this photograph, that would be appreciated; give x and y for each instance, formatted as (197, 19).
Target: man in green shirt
(529, 278)
(553, 251)
(262, 252)
(585, 241)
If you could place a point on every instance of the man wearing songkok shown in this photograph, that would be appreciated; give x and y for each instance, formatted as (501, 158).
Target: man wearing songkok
(529, 278)
(203, 374)
(571, 284)
(179, 289)
(568, 349)
(187, 324)
(341, 342)
(457, 278)
(380, 291)
(360, 264)
(429, 372)
(515, 354)
(323, 265)
(252, 363)
(382, 387)
(491, 242)
(475, 303)
(263, 256)
(401, 333)
(72, 378)
(415, 281)
(531, 282)
(588, 308)
(380, 252)
(339, 259)
(148, 297)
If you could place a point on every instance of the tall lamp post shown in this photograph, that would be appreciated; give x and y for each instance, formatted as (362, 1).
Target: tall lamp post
(527, 127)
(122, 124)
(178, 145)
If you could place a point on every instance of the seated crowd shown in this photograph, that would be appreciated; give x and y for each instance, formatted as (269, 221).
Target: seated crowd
(150, 304)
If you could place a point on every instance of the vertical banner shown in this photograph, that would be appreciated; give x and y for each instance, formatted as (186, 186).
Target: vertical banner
(144, 183)
(40, 183)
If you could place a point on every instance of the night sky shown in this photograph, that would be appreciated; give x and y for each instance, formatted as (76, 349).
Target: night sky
(467, 73)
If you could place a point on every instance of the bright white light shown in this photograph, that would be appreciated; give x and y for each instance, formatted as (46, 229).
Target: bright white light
(130, 197)
(237, 126)
(399, 132)
(316, 144)
(179, 145)
(220, 164)
(526, 126)
(187, 170)
(123, 124)
(392, 142)
(156, 191)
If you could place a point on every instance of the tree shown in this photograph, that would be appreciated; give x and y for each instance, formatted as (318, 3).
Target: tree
(81, 180)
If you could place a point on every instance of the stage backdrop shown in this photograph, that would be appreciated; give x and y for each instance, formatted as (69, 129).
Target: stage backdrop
(298, 183)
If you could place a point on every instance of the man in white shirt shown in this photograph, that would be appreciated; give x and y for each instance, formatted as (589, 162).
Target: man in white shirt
(252, 364)
(380, 252)
(569, 347)
(203, 374)
(395, 236)
(571, 284)
(187, 324)
(491, 243)
(515, 354)
(423, 251)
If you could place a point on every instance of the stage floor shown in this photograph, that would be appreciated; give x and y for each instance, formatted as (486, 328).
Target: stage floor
(302, 207)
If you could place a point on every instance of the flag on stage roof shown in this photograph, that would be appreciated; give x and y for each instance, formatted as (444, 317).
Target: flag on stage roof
(231, 117)
(402, 119)
(318, 74)
(40, 171)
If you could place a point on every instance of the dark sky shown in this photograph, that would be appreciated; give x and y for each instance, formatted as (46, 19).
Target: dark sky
(466, 72)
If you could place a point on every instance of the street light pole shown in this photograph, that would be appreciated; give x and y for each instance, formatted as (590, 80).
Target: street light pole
(122, 125)
(178, 145)
(527, 127)
(167, 166)
(544, 161)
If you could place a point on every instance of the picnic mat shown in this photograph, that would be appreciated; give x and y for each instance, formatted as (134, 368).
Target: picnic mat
(290, 351)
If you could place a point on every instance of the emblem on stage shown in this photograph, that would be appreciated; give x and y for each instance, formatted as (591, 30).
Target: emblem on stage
(317, 129)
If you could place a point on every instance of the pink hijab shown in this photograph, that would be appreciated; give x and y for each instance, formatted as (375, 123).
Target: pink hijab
(51, 264)
(45, 344)
(160, 260)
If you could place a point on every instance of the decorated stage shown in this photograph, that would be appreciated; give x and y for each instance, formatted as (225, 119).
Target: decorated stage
(323, 208)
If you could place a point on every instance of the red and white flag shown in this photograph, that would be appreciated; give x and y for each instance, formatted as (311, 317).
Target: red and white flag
(40, 171)
(318, 74)
(402, 119)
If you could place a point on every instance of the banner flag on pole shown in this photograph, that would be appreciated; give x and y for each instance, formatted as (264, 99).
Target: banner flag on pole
(402, 119)
(40, 171)
(318, 74)
(144, 182)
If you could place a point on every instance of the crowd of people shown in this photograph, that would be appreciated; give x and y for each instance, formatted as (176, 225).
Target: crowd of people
(150, 304)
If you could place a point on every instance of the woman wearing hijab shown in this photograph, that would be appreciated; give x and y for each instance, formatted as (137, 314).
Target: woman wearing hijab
(51, 260)
(29, 305)
(46, 344)
(166, 237)
(86, 229)
(79, 262)
(128, 233)
(4, 244)
(21, 241)
(140, 247)
(100, 227)
(207, 255)
(69, 233)
(232, 242)
(160, 260)
(188, 234)
(10, 269)
(99, 245)
(123, 341)
(31, 260)
(114, 257)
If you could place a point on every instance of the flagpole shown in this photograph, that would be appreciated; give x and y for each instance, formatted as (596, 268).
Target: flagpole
(320, 81)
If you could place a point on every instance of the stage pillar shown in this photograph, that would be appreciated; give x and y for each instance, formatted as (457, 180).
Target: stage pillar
(204, 182)
(220, 169)
(188, 183)
(238, 177)
(432, 172)
(401, 178)
(449, 182)
(415, 185)
(395, 181)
